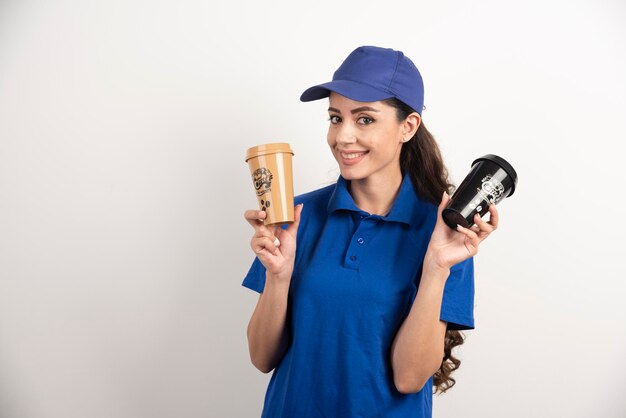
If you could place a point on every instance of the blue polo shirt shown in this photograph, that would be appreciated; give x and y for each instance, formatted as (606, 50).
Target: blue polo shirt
(354, 281)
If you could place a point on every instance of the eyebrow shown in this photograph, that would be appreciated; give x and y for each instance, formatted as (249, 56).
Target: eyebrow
(357, 110)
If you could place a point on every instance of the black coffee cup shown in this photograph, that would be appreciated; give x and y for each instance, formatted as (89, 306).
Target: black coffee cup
(490, 180)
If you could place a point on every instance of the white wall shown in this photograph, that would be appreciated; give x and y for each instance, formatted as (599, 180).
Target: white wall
(123, 126)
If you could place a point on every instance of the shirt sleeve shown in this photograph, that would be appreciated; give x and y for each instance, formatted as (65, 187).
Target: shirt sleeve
(457, 307)
(255, 279)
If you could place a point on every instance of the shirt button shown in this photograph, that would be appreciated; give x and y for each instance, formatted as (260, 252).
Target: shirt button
(360, 240)
(353, 257)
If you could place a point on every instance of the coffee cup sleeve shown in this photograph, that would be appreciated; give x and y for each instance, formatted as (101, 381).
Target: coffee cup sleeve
(457, 306)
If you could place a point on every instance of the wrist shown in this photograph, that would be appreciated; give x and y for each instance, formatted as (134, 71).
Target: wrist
(278, 279)
(434, 268)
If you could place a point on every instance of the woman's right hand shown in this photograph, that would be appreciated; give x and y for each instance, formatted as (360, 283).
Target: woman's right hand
(275, 247)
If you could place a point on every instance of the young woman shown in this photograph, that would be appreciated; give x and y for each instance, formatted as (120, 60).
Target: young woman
(363, 297)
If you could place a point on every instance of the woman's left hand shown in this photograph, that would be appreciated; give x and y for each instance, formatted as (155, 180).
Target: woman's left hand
(448, 247)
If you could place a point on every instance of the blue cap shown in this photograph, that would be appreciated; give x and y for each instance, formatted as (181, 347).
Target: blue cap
(370, 74)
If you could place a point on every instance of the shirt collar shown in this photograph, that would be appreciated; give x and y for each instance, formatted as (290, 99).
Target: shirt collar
(407, 208)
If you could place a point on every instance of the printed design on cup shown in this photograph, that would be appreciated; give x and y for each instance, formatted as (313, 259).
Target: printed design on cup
(262, 181)
(265, 204)
(491, 189)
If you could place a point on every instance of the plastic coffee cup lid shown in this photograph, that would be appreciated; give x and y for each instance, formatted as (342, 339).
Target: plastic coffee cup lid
(503, 164)
(265, 149)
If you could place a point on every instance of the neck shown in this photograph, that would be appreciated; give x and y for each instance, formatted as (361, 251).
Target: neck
(375, 195)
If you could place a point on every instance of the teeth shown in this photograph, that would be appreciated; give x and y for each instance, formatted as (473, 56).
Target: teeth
(350, 156)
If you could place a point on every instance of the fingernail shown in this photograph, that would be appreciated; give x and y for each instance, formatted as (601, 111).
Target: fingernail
(277, 242)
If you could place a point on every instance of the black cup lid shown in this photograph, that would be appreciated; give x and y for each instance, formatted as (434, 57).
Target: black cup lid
(503, 164)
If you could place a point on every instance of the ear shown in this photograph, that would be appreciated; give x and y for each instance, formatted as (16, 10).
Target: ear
(410, 125)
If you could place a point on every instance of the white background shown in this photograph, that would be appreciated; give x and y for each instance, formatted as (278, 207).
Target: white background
(123, 127)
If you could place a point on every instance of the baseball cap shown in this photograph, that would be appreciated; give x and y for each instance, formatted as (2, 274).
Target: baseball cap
(371, 73)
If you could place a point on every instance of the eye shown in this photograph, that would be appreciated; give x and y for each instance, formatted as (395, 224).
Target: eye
(365, 120)
(334, 119)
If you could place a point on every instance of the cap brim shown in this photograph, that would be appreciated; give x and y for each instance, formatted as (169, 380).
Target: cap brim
(351, 89)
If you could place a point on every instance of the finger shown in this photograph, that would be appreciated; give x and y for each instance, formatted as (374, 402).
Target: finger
(293, 227)
(474, 240)
(483, 225)
(494, 216)
(255, 217)
(268, 232)
(266, 256)
(445, 199)
(260, 243)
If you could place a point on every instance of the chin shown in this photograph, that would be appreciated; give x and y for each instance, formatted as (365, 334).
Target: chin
(351, 175)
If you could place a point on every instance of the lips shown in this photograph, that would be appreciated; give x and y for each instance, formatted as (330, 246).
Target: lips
(351, 157)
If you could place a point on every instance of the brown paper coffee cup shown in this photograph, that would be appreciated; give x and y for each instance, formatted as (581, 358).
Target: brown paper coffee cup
(272, 176)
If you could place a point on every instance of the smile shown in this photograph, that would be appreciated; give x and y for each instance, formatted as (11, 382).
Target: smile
(352, 156)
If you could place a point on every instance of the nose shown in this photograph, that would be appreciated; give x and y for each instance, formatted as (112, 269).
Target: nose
(346, 134)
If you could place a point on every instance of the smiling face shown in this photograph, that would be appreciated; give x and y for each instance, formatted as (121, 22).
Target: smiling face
(366, 138)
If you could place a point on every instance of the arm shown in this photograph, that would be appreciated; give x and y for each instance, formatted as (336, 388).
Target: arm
(418, 348)
(276, 250)
(267, 335)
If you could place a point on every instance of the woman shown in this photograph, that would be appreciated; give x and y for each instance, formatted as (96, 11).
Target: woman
(365, 293)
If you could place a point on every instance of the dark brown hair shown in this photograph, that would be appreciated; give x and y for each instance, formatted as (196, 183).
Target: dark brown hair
(421, 158)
